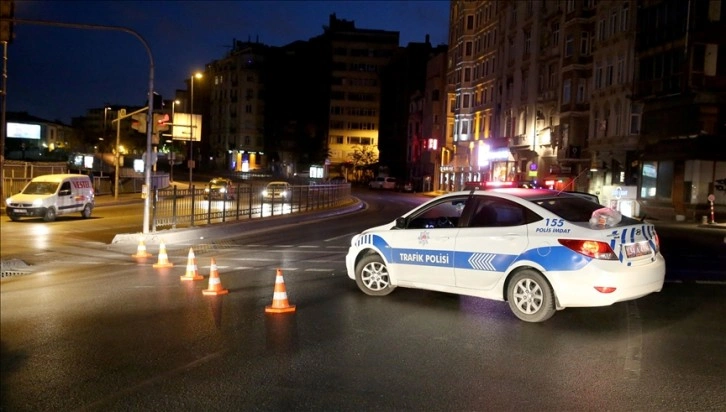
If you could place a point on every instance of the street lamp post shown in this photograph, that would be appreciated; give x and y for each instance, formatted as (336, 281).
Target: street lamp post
(191, 123)
(171, 131)
(103, 136)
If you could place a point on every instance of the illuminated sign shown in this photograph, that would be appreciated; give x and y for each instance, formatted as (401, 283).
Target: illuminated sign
(23, 131)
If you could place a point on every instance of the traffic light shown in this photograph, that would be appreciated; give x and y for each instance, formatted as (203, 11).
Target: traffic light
(138, 122)
(161, 122)
(7, 11)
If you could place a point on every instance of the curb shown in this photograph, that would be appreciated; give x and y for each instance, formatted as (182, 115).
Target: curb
(226, 230)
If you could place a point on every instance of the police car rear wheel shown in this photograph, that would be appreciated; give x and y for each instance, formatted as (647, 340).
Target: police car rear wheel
(371, 275)
(86, 213)
(530, 296)
(49, 215)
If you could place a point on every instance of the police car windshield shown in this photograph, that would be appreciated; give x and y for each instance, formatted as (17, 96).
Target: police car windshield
(573, 209)
(40, 188)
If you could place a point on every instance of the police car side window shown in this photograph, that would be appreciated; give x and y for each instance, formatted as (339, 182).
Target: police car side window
(446, 214)
(499, 213)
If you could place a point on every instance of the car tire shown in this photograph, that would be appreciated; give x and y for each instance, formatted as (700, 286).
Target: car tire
(49, 214)
(371, 275)
(13, 217)
(530, 296)
(86, 213)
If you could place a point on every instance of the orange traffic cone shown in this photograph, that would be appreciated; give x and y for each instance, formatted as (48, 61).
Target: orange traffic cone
(279, 298)
(163, 261)
(215, 284)
(141, 250)
(192, 273)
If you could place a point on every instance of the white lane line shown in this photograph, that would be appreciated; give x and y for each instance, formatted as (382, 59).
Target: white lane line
(634, 349)
(318, 270)
(309, 246)
(332, 239)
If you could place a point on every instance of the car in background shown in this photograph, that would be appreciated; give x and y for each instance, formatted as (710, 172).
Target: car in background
(404, 186)
(219, 188)
(279, 190)
(386, 183)
(539, 250)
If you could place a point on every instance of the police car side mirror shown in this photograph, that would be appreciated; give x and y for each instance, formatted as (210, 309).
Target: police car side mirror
(401, 223)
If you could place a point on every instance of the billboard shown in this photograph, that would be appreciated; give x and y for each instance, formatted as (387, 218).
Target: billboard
(186, 127)
(24, 131)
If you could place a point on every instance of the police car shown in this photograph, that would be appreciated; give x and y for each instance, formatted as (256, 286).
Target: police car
(540, 250)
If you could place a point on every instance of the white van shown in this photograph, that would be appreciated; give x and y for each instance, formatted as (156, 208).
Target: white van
(51, 195)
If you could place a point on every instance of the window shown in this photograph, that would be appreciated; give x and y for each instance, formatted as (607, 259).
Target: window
(566, 86)
(470, 22)
(609, 74)
(467, 74)
(624, 15)
(499, 213)
(620, 76)
(601, 30)
(635, 120)
(581, 91)
(445, 214)
(527, 42)
(568, 45)
(468, 47)
(584, 43)
(598, 75)
(614, 22)
(466, 101)
(556, 34)
(570, 7)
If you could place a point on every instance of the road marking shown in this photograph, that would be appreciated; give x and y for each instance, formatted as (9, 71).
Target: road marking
(348, 235)
(634, 348)
(318, 270)
(309, 246)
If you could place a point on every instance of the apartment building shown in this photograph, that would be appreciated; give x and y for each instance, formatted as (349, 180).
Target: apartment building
(681, 84)
(358, 57)
(236, 107)
(623, 98)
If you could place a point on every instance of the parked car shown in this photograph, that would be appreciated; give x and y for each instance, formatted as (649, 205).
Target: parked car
(539, 250)
(277, 191)
(219, 188)
(387, 183)
(404, 186)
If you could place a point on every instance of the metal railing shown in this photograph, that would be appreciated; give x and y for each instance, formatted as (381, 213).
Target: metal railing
(173, 207)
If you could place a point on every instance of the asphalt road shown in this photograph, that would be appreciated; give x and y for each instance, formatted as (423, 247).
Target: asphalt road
(90, 328)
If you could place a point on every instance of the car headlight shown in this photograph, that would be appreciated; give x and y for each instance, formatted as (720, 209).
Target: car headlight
(264, 193)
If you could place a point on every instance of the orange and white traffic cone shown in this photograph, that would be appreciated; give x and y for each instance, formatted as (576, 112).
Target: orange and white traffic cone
(141, 250)
(192, 273)
(215, 284)
(163, 261)
(279, 298)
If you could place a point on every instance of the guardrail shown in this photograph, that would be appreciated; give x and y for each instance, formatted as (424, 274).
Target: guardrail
(173, 207)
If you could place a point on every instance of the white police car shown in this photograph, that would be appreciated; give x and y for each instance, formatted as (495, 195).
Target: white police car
(540, 250)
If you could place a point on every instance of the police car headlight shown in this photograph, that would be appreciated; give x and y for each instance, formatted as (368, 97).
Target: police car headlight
(37, 202)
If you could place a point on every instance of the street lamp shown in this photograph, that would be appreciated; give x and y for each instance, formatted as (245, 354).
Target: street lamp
(198, 75)
(171, 131)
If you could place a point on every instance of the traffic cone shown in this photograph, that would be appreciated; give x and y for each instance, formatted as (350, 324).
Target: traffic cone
(163, 261)
(141, 250)
(192, 273)
(215, 284)
(279, 298)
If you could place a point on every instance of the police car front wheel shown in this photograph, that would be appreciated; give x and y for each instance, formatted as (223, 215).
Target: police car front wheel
(371, 275)
(530, 296)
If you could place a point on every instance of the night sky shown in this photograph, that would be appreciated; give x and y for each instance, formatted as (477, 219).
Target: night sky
(58, 73)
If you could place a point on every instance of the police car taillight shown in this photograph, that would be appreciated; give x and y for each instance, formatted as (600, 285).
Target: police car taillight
(590, 248)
